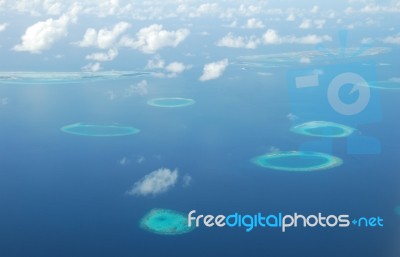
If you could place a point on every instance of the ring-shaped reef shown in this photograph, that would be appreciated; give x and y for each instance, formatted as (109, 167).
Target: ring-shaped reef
(64, 77)
(91, 130)
(323, 129)
(166, 222)
(171, 102)
(297, 161)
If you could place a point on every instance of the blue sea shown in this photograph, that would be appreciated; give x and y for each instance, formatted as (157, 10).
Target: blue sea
(69, 195)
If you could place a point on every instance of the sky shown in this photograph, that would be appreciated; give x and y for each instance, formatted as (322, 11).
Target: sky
(171, 38)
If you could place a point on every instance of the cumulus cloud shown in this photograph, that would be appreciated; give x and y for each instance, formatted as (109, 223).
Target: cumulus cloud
(291, 17)
(292, 117)
(92, 67)
(104, 38)
(140, 88)
(176, 67)
(392, 39)
(205, 8)
(172, 69)
(272, 37)
(374, 8)
(123, 161)
(319, 24)
(155, 63)
(111, 7)
(254, 24)
(269, 37)
(52, 7)
(152, 38)
(3, 26)
(238, 42)
(103, 57)
(158, 181)
(43, 34)
(315, 9)
(214, 70)
(305, 24)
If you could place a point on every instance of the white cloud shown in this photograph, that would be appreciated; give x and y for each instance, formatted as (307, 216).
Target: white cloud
(140, 88)
(306, 24)
(291, 17)
(305, 60)
(214, 70)
(155, 63)
(272, 37)
(367, 41)
(3, 26)
(205, 8)
(292, 117)
(103, 57)
(238, 42)
(371, 8)
(187, 180)
(392, 39)
(52, 7)
(104, 38)
(254, 24)
(43, 34)
(233, 24)
(124, 161)
(314, 9)
(173, 68)
(140, 159)
(159, 181)
(152, 38)
(176, 67)
(111, 7)
(92, 67)
(319, 24)
(249, 10)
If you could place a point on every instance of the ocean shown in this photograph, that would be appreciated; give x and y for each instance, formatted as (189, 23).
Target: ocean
(69, 195)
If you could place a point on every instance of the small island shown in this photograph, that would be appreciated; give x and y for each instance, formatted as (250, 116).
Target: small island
(91, 130)
(165, 222)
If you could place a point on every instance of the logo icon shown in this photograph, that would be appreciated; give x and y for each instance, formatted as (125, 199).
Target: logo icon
(339, 92)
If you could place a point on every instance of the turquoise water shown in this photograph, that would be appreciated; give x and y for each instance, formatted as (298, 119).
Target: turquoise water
(297, 161)
(91, 130)
(166, 222)
(171, 102)
(239, 102)
(323, 129)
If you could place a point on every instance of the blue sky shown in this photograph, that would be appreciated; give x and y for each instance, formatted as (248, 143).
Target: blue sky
(173, 37)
